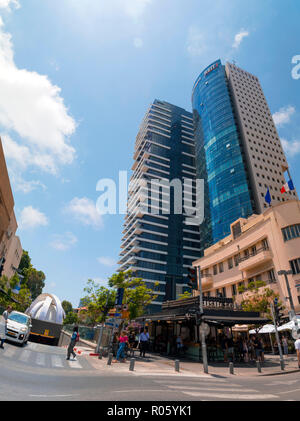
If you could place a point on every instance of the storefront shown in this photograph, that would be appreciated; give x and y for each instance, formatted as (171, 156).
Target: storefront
(180, 319)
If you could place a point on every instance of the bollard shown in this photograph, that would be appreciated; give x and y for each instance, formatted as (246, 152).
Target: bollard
(109, 360)
(177, 365)
(132, 362)
(282, 364)
(258, 366)
(100, 354)
(231, 368)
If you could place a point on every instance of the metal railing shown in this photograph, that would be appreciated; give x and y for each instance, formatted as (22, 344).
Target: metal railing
(242, 259)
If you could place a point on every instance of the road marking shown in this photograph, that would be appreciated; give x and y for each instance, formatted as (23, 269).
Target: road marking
(289, 391)
(74, 364)
(290, 382)
(183, 388)
(142, 390)
(51, 396)
(229, 396)
(32, 346)
(193, 381)
(25, 356)
(40, 359)
(56, 361)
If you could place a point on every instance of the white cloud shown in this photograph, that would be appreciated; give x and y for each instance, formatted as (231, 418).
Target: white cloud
(195, 42)
(138, 42)
(107, 261)
(291, 147)
(5, 4)
(64, 242)
(32, 218)
(283, 116)
(239, 38)
(84, 210)
(25, 186)
(32, 108)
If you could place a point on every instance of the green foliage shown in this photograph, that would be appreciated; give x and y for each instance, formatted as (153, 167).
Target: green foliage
(67, 306)
(99, 299)
(257, 298)
(34, 280)
(71, 318)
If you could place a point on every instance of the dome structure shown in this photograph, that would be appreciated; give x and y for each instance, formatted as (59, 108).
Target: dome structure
(47, 307)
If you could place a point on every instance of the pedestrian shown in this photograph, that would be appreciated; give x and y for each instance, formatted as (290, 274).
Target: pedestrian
(5, 316)
(179, 345)
(297, 348)
(231, 348)
(285, 345)
(144, 340)
(132, 343)
(74, 339)
(123, 340)
(245, 350)
(224, 346)
(258, 349)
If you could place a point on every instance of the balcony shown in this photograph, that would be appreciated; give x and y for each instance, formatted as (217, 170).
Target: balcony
(261, 256)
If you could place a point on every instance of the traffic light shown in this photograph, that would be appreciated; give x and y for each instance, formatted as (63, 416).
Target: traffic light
(2, 261)
(119, 297)
(278, 312)
(192, 282)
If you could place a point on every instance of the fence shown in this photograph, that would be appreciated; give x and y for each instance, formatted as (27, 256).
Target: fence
(91, 334)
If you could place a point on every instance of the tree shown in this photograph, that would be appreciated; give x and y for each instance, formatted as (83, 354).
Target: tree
(257, 297)
(136, 293)
(67, 306)
(71, 318)
(33, 279)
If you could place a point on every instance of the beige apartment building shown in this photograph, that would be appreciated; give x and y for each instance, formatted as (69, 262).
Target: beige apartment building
(257, 249)
(10, 245)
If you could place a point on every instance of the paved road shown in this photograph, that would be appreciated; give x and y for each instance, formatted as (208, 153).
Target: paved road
(38, 372)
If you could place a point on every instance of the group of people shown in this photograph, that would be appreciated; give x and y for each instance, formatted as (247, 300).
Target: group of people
(132, 342)
(243, 349)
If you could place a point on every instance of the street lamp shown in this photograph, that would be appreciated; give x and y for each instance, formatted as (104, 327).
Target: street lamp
(204, 350)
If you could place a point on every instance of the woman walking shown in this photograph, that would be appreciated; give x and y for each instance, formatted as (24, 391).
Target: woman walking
(123, 340)
(74, 339)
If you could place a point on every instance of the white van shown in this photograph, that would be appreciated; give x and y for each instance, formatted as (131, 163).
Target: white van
(18, 327)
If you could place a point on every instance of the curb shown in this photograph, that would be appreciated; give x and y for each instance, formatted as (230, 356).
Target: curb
(280, 372)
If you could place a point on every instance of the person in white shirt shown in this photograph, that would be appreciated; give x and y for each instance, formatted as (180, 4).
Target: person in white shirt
(297, 347)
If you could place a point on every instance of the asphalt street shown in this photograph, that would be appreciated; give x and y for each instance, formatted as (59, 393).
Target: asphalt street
(38, 373)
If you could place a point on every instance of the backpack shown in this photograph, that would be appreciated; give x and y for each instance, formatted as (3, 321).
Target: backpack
(77, 338)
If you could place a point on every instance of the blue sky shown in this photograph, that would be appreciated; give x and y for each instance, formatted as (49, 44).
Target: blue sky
(76, 77)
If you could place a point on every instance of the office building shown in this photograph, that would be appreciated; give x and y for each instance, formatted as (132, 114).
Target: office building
(238, 150)
(159, 245)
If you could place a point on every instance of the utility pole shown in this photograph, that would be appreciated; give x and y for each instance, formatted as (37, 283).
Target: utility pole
(277, 337)
(203, 343)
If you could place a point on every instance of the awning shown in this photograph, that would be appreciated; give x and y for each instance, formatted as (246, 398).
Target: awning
(265, 329)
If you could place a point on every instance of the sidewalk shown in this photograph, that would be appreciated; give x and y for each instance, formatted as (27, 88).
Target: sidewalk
(158, 365)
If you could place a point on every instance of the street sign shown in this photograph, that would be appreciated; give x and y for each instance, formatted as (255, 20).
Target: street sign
(204, 328)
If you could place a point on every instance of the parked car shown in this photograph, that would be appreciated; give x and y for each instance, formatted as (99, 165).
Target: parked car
(18, 327)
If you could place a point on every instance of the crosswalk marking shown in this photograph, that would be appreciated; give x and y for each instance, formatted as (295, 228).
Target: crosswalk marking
(74, 364)
(186, 388)
(40, 359)
(230, 396)
(24, 357)
(56, 361)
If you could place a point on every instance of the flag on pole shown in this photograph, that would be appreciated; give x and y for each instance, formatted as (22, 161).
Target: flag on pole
(268, 197)
(287, 187)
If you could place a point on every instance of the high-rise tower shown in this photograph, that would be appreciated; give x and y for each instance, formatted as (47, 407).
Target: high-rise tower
(238, 150)
(158, 245)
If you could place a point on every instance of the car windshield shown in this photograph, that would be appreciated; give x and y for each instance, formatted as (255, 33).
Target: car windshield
(20, 318)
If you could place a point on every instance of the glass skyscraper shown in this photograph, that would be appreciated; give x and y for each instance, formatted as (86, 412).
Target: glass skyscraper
(158, 245)
(219, 155)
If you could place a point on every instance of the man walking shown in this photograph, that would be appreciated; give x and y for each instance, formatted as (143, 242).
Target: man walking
(74, 339)
(144, 339)
(5, 316)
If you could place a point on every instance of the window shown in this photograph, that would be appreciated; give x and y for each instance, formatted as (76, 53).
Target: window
(253, 250)
(265, 244)
(221, 267)
(293, 231)
(224, 292)
(236, 259)
(295, 266)
(271, 275)
(233, 289)
(215, 269)
(230, 263)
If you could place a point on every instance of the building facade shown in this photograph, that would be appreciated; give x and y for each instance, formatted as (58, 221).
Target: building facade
(238, 150)
(158, 243)
(10, 245)
(256, 250)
